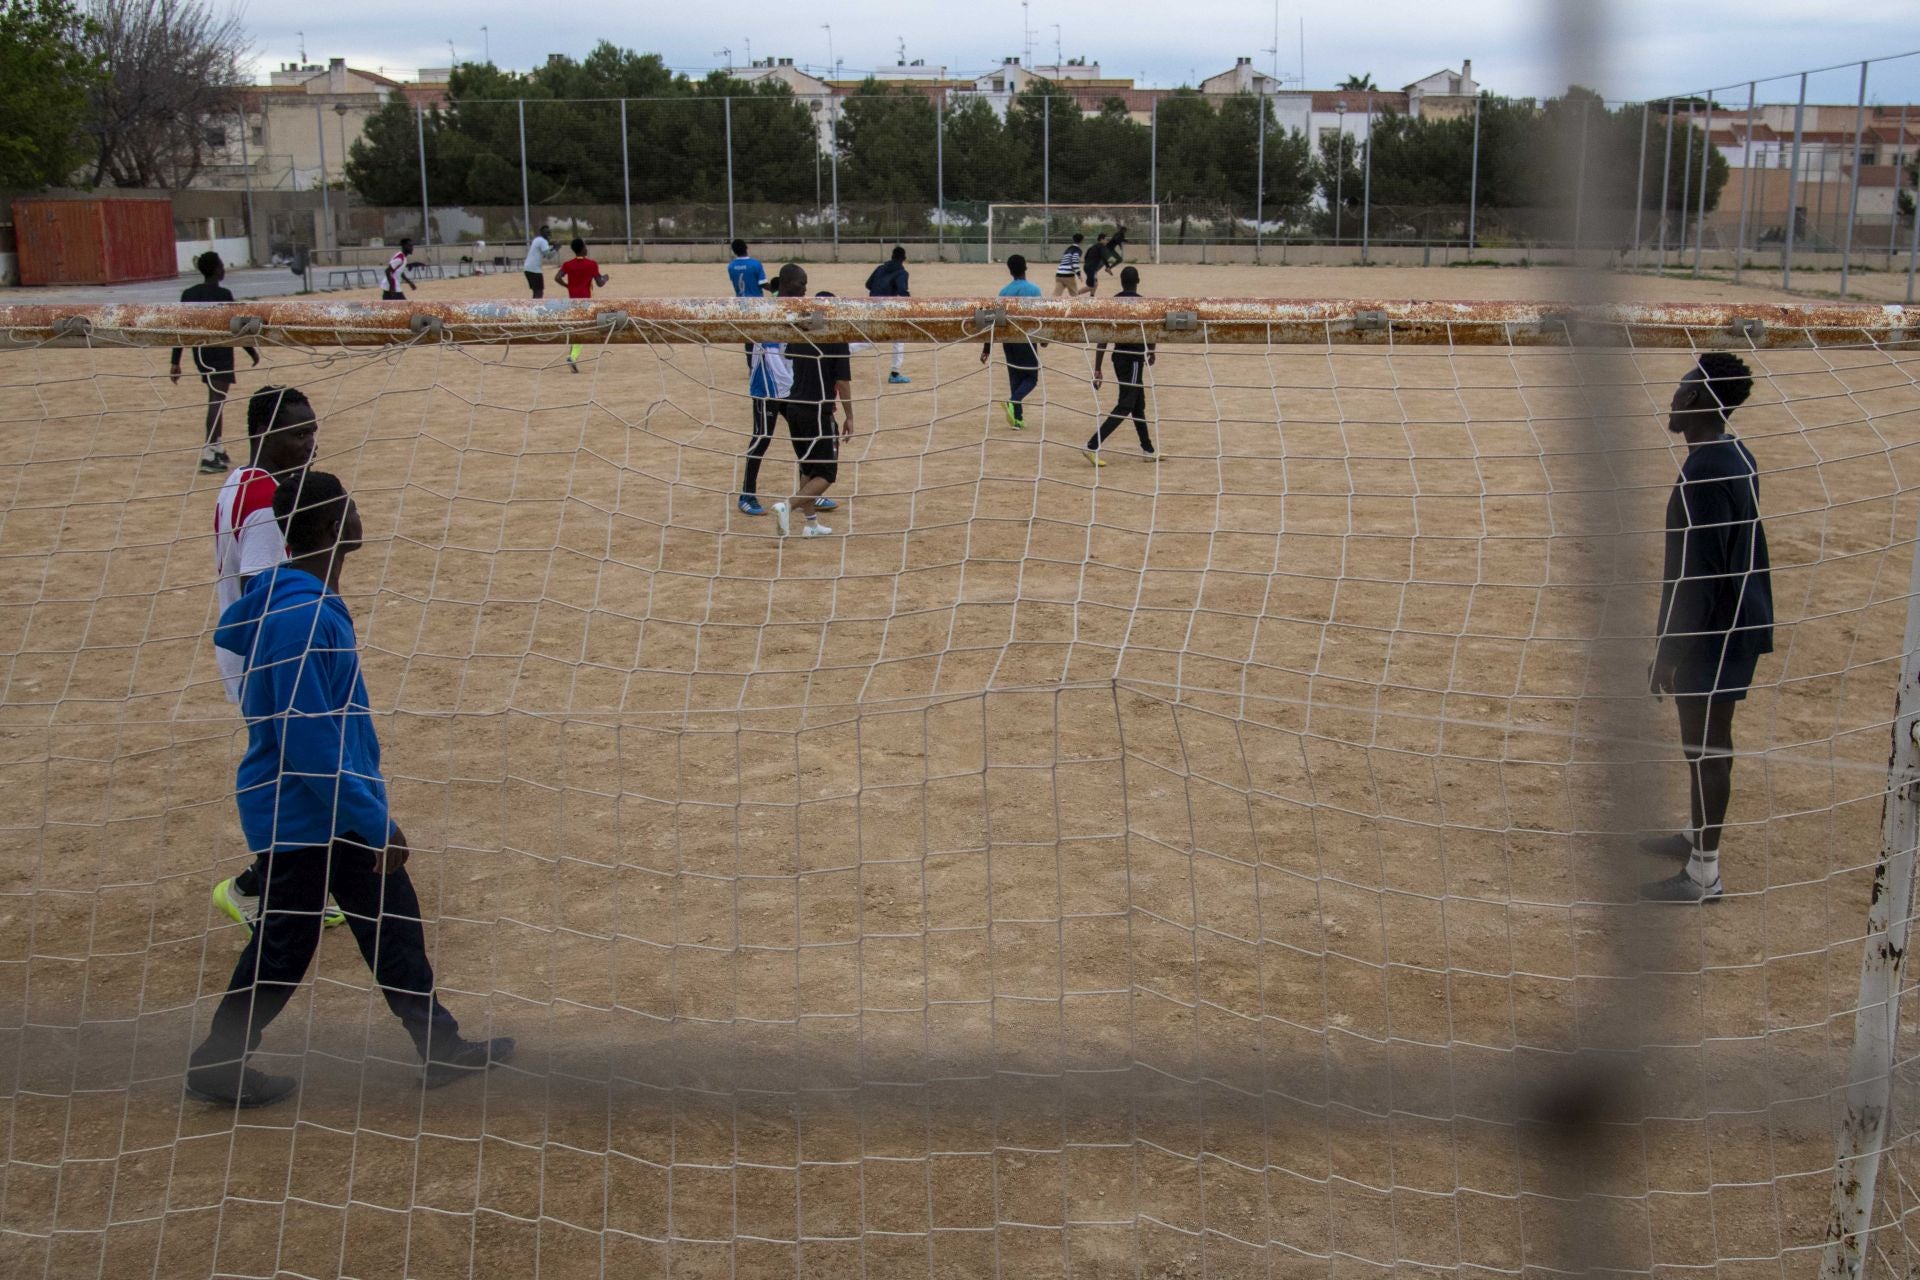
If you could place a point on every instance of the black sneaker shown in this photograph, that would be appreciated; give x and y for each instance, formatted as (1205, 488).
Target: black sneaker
(1681, 888)
(1667, 846)
(468, 1058)
(245, 1088)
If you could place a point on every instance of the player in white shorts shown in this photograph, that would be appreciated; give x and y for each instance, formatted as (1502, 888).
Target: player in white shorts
(247, 540)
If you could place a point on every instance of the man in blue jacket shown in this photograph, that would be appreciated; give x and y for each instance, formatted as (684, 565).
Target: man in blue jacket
(313, 805)
(889, 280)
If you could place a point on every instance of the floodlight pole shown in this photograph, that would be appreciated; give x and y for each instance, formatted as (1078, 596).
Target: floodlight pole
(1666, 183)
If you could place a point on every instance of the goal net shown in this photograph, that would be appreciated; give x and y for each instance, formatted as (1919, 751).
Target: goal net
(1048, 228)
(1215, 866)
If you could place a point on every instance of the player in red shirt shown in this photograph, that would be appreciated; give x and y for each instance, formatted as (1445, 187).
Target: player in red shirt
(579, 274)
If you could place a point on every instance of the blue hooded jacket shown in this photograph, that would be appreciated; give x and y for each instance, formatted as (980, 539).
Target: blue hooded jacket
(312, 767)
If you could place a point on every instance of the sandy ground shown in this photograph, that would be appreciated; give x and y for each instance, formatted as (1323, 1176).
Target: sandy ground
(1177, 869)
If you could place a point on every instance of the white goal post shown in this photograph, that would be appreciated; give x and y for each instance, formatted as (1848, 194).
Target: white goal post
(1058, 221)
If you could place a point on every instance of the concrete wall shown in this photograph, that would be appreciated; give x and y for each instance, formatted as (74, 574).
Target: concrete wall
(233, 251)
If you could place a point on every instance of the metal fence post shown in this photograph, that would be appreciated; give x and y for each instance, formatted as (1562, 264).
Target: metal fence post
(726, 111)
(1899, 168)
(1746, 186)
(940, 172)
(833, 160)
(1666, 182)
(1913, 250)
(1793, 186)
(526, 206)
(420, 137)
(1580, 183)
(1473, 178)
(326, 203)
(1706, 171)
(1686, 181)
(1853, 192)
(1259, 167)
(1640, 181)
(246, 176)
(626, 179)
(1153, 153)
(1046, 173)
(1366, 186)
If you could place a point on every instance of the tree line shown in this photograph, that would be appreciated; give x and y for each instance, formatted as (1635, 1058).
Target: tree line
(883, 138)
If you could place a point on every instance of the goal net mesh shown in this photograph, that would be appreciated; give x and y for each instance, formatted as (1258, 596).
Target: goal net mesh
(1209, 867)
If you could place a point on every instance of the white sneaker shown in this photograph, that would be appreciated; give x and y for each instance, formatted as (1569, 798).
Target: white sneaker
(783, 517)
(815, 529)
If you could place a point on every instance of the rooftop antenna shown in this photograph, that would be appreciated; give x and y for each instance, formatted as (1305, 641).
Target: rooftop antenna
(749, 40)
(831, 64)
(1056, 46)
(303, 47)
(1274, 48)
(1303, 51)
(727, 55)
(901, 42)
(486, 46)
(453, 59)
(1026, 37)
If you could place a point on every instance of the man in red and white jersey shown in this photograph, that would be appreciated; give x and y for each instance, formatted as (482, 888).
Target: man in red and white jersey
(396, 274)
(248, 540)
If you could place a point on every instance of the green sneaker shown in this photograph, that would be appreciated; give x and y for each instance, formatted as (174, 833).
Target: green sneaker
(1014, 419)
(244, 908)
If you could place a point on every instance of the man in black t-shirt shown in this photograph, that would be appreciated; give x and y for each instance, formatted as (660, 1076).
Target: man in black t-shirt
(822, 374)
(214, 364)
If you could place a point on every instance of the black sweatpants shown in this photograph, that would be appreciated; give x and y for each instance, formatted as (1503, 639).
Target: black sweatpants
(382, 911)
(766, 416)
(1130, 382)
(536, 281)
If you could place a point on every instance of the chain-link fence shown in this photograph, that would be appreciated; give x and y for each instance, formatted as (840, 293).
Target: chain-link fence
(1712, 180)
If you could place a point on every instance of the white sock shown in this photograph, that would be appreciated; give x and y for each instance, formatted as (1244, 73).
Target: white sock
(1703, 865)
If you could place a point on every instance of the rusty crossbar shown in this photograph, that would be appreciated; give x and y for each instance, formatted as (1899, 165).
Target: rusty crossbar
(1256, 321)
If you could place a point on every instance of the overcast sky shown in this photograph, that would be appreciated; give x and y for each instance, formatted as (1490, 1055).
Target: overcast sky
(1654, 47)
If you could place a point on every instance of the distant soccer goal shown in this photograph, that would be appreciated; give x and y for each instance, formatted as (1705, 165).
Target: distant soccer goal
(1049, 226)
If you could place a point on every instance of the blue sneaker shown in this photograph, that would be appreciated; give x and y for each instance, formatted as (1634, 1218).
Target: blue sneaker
(898, 378)
(825, 504)
(750, 505)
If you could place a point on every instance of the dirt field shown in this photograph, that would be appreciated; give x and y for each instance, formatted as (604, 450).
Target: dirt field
(1192, 868)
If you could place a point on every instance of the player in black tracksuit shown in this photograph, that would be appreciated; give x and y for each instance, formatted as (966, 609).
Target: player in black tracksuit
(213, 364)
(1130, 361)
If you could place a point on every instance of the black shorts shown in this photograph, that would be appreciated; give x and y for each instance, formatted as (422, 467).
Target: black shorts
(1726, 680)
(815, 443)
(536, 282)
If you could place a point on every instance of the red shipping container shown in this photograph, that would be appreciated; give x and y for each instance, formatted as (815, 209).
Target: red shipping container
(94, 241)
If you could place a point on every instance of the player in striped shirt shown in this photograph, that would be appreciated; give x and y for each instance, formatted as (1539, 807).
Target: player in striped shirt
(1066, 277)
(396, 274)
(247, 541)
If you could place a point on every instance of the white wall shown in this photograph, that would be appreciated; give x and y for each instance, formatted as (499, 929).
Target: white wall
(233, 250)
